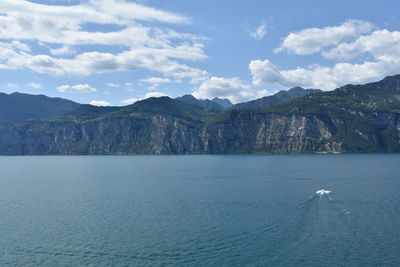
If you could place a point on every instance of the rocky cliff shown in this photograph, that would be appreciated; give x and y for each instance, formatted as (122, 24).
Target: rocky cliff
(349, 119)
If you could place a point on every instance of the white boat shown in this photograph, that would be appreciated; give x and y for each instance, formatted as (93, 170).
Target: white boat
(322, 192)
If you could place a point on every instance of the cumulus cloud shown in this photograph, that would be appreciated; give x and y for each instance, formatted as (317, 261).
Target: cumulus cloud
(312, 40)
(381, 44)
(352, 40)
(321, 77)
(63, 51)
(155, 59)
(260, 32)
(130, 101)
(81, 88)
(34, 85)
(143, 45)
(23, 19)
(231, 88)
(100, 103)
(20, 46)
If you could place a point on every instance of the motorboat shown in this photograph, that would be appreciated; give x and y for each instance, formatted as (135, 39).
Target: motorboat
(322, 192)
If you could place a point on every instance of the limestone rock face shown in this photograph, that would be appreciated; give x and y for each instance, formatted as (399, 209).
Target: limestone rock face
(163, 134)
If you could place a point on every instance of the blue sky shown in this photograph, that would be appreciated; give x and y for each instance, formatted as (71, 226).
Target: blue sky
(115, 52)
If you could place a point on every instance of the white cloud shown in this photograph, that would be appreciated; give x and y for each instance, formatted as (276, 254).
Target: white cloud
(98, 62)
(62, 23)
(377, 54)
(156, 80)
(231, 88)
(264, 72)
(8, 50)
(381, 44)
(130, 101)
(115, 85)
(263, 93)
(312, 40)
(321, 77)
(12, 85)
(20, 46)
(260, 32)
(82, 88)
(143, 45)
(128, 84)
(34, 85)
(154, 94)
(125, 10)
(100, 103)
(63, 51)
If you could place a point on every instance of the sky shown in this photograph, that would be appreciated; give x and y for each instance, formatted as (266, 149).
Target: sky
(116, 52)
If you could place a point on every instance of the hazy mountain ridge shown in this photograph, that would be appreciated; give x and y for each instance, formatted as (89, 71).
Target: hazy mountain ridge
(353, 118)
(259, 103)
(19, 106)
(278, 98)
(215, 103)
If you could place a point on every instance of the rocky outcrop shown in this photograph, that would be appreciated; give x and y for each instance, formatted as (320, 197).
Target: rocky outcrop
(277, 133)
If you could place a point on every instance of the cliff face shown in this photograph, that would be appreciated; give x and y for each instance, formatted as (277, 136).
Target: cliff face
(155, 134)
(244, 133)
(277, 133)
(349, 119)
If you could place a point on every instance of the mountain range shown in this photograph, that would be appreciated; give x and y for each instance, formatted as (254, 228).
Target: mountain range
(18, 107)
(352, 118)
(215, 103)
(278, 98)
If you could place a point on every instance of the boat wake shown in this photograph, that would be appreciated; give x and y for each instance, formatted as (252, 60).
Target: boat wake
(312, 223)
(324, 192)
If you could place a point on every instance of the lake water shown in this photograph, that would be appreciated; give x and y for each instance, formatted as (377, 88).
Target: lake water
(200, 210)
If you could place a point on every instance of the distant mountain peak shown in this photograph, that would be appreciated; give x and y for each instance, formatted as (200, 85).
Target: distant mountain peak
(280, 97)
(224, 102)
(387, 83)
(21, 106)
(215, 103)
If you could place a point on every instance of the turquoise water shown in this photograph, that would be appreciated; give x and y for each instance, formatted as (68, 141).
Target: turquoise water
(200, 210)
